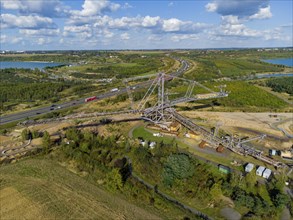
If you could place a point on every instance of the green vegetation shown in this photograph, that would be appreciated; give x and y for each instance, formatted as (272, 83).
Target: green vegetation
(177, 174)
(283, 84)
(244, 95)
(40, 188)
(232, 63)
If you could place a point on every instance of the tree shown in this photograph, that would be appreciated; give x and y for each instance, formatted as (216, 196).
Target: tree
(46, 141)
(114, 180)
(250, 180)
(26, 134)
(216, 191)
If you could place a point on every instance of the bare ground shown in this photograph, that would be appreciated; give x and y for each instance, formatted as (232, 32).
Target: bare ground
(248, 123)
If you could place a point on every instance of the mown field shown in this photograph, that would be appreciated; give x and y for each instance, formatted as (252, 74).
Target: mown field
(42, 189)
(242, 96)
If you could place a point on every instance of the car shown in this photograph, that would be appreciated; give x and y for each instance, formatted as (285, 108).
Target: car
(59, 107)
(73, 103)
(3, 152)
(38, 113)
(53, 105)
(51, 109)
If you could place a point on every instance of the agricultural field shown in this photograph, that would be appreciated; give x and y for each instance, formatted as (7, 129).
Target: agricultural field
(41, 188)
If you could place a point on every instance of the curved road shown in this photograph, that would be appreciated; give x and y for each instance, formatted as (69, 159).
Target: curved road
(43, 110)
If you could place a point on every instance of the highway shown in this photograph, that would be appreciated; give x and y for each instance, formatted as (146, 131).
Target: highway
(43, 110)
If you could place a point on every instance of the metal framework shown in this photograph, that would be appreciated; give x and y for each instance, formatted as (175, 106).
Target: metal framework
(163, 114)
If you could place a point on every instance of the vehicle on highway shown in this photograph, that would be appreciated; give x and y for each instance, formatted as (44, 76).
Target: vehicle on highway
(59, 107)
(90, 99)
(3, 152)
(52, 108)
(115, 90)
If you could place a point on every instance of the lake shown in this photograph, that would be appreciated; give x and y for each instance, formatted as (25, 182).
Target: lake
(260, 76)
(27, 65)
(283, 61)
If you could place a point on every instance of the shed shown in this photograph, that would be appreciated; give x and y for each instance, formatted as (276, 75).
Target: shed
(267, 173)
(249, 167)
(260, 170)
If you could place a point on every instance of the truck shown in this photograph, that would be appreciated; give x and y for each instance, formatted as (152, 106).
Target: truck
(90, 99)
(115, 90)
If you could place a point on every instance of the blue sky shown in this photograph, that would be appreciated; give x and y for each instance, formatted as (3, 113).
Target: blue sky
(137, 24)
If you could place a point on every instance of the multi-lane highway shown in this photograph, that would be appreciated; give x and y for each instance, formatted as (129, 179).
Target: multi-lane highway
(43, 110)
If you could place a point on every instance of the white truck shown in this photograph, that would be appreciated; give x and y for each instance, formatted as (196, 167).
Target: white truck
(115, 90)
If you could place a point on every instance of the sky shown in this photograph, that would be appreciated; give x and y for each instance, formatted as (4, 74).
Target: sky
(138, 24)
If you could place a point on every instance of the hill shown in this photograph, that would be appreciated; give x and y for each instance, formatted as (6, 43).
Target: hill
(42, 189)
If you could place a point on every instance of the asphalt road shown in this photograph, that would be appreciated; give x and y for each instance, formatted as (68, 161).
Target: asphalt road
(43, 110)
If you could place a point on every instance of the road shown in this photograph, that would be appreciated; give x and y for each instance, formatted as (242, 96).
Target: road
(43, 110)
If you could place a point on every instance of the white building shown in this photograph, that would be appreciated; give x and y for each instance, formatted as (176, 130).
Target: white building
(267, 173)
(249, 167)
(260, 170)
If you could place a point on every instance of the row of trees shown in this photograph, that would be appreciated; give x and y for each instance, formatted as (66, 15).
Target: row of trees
(283, 84)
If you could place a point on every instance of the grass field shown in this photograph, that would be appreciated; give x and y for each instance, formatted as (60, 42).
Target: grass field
(42, 189)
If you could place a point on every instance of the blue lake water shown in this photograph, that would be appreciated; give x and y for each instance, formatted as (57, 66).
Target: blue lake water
(283, 61)
(27, 65)
(260, 76)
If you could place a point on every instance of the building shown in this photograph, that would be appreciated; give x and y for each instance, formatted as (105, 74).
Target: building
(267, 173)
(260, 170)
(249, 167)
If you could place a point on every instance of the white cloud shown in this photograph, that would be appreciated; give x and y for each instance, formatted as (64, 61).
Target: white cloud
(263, 13)
(93, 7)
(154, 37)
(28, 22)
(150, 21)
(43, 41)
(170, 4)
(47, 8)
(178, 38)
(127, 5)
(172, 25)
(40, 32)
(124, 36)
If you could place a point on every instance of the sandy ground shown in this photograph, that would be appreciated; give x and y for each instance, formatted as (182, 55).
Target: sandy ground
(254, 122)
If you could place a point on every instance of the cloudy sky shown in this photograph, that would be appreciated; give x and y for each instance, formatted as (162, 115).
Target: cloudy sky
(137, 24)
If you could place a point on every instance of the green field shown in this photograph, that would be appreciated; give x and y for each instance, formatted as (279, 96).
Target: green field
(242, 96)
(41, 188)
